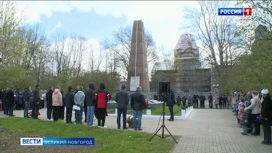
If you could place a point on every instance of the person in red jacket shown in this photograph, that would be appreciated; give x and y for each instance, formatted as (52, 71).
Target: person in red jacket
(102, 98)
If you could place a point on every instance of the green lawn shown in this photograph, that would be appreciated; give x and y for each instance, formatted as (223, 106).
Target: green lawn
(106, 140)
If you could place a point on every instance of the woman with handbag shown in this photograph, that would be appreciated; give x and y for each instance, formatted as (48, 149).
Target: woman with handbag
(266, 116)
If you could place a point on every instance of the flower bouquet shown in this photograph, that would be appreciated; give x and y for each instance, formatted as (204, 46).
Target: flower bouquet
(130, 121)
(30, 113)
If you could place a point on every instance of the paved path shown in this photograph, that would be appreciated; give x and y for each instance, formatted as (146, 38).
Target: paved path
(205, 131)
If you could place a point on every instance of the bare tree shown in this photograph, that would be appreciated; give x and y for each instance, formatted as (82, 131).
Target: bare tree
(219, 35)
(77, 49)
(120, 45)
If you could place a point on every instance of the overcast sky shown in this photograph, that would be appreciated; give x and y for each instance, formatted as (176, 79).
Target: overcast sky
(96, 20)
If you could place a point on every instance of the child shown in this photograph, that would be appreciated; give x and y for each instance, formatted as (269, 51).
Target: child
(240, 113)
(245, 122)
(246, 119)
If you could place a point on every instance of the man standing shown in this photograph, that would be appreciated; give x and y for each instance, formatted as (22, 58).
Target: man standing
(195, 101)
(122, 101)
(27, 96)
(79, 101)
(1, 99)
(137, 103)
(183, 99)
(170, 103)
(90, 101)
(36, 100)
(10, 102)
(210, 98)
(266, 116)
(225, 98)
(49, 104)
(202, 101)
(102, 98)
(5, 102)
(69, 102)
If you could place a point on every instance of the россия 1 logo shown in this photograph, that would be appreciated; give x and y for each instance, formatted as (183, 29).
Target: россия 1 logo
(234, 11)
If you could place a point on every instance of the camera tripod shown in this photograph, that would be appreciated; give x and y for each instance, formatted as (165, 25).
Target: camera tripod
(163, 127)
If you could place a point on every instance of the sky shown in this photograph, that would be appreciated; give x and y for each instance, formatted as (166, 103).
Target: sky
(96, 20)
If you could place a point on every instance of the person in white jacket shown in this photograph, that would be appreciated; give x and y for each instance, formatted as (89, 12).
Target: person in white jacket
(255, 108)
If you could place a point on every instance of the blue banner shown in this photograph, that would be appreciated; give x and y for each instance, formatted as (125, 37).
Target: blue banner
(230, 11)
(68, 142)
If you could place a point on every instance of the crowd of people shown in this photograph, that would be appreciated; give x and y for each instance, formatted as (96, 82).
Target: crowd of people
(252, 110)
(198, 101)
(93, 103)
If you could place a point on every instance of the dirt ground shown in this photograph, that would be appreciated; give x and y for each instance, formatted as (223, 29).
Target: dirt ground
(10, 143)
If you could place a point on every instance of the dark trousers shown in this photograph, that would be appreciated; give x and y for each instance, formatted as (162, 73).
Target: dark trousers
(256, 122)
(196, 104)
(68, 114)
(78, 115)
(210, 104)
(202, 104)
(35, 110)
(5, 107)
(267, 133)
(122, 111)
(10, 109)
(61, 112)
(49, 112)
(224, 104)
(249, 123)
(101, 116)
(26, 108)
(56, 112)
(171, 110)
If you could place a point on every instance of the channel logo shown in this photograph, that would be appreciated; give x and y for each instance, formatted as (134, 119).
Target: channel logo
(31, 141)
(235, 11)
(57, 141)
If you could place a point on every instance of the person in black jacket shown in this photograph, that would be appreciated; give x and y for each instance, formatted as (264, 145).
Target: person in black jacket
(266, 116)
(225, 98)
(210, 98)
(27, 96)
(1, 97)
(4, 101)
(69, 102)
(170, 103)
(49, 104)
(90, 102)
(36, 101)
(10, 102)
(122, 101)
(137, 103)
(220, 101)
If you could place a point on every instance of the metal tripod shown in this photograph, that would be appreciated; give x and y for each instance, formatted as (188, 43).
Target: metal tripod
(163, 127)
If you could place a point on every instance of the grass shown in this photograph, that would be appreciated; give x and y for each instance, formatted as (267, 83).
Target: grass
(158, 110)
(106, 140)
